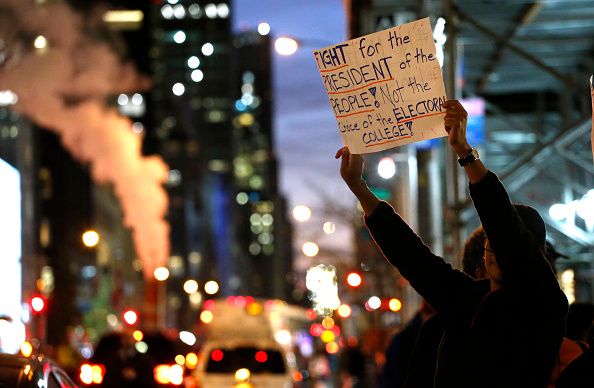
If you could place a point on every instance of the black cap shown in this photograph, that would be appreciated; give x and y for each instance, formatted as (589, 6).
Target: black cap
(534, 222)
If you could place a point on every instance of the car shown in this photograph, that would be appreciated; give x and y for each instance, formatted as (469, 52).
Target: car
(243, 362)
(119, 360)
(18, 371)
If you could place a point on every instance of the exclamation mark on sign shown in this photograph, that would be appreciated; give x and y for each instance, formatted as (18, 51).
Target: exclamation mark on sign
(409, 126)
(372, 91)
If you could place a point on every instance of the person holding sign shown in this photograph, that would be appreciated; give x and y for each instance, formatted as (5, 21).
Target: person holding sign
(502, 332)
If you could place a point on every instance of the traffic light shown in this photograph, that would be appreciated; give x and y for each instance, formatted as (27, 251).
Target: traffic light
(37, 304)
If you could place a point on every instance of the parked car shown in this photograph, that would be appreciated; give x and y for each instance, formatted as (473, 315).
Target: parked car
(17, 371)
(120, 361)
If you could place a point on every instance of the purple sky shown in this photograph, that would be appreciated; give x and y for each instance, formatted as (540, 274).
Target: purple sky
(305, 128)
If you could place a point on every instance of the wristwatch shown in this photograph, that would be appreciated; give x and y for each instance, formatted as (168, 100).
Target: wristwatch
(471, 157)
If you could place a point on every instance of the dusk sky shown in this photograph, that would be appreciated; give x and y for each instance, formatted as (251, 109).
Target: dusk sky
(305, 129)
(306, 136)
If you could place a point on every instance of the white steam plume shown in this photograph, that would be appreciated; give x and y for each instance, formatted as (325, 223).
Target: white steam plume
(63, 87)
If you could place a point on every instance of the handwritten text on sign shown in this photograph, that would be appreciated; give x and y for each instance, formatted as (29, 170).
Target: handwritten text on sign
(385, 88)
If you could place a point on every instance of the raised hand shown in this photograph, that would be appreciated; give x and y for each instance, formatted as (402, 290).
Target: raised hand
(455, 126)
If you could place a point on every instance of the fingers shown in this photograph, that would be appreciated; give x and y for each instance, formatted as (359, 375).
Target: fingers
(341, 152)
(454, 107)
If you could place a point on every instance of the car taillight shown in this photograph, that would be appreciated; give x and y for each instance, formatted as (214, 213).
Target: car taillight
(92, 373)
(169, 374)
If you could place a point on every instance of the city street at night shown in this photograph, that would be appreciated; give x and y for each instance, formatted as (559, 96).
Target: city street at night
(284, 194)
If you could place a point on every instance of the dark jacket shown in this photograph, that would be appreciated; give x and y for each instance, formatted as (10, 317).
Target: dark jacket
(497, 339)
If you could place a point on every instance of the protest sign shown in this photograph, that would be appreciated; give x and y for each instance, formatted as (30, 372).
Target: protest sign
(592, 134)
(386, 88)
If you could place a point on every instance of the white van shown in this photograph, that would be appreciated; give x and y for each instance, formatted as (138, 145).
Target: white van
(248, 344)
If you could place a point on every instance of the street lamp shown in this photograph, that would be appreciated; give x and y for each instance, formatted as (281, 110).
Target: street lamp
(286, 46)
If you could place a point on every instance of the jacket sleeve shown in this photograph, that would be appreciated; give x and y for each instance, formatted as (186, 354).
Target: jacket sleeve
(519, 257)
(443, 287)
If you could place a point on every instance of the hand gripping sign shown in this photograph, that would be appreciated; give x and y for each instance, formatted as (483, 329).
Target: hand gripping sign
(386, 88)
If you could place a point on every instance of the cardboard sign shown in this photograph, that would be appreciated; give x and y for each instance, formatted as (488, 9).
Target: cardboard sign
(592, 133)
(386, 88)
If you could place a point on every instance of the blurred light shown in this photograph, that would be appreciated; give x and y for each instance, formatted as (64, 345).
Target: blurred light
(316, 329)
(206, 316)
(242, 374)
(40, 42)
(137, 99)
(310, 249)
(286, 46)
(141, 347)
(191, 360)
(179, 11)
(264, 28)
(26, 349)
(190, 286)
(167, 11)
(246, 119)
(8, 97)
(196, 298)
(161, 273)
(344, 311)
(172, 1)
(301, 213)
(211, 287)
(329, 227)
(374, 302)
(91, 374)
(138, 335)
(210, 10)
(328, 323)
(124, 16)
(261, 356)
(440, 38)
(195, 11)
(112, 320)
(197, 75)
(283, 337)
(122, 99)
(332, 347)
(352, 341)
(207, 49)
(179, 37)
(217, 355)
(193, 62)
(395, 304)
(568, 284)
(223, 10)
(321, 281)
(130, 317)
(327, 336)
(137, 128)
(254, 308)
(247, 88)
(242, 198)
(180, 359)
(386, 168)
(354, 279)
(559, 211)
(247, 99)
(187, 338)
(90, 238)
(178, 89)
(37, 304)
(169, 374)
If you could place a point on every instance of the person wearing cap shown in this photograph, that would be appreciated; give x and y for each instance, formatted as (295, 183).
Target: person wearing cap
(502, 332)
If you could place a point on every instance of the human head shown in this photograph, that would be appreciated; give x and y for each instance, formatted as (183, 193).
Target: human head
(473, 263)
(535, 225)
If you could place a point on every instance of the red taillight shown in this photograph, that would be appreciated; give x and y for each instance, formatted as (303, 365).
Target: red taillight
(92, 373)
(169, 374)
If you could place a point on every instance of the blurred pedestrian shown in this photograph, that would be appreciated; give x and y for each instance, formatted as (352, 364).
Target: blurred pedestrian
(502, 332)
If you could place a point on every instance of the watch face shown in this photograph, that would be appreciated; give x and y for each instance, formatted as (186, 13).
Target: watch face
(475, 153)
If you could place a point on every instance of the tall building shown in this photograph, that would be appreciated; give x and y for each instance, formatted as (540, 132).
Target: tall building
(263, 230)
